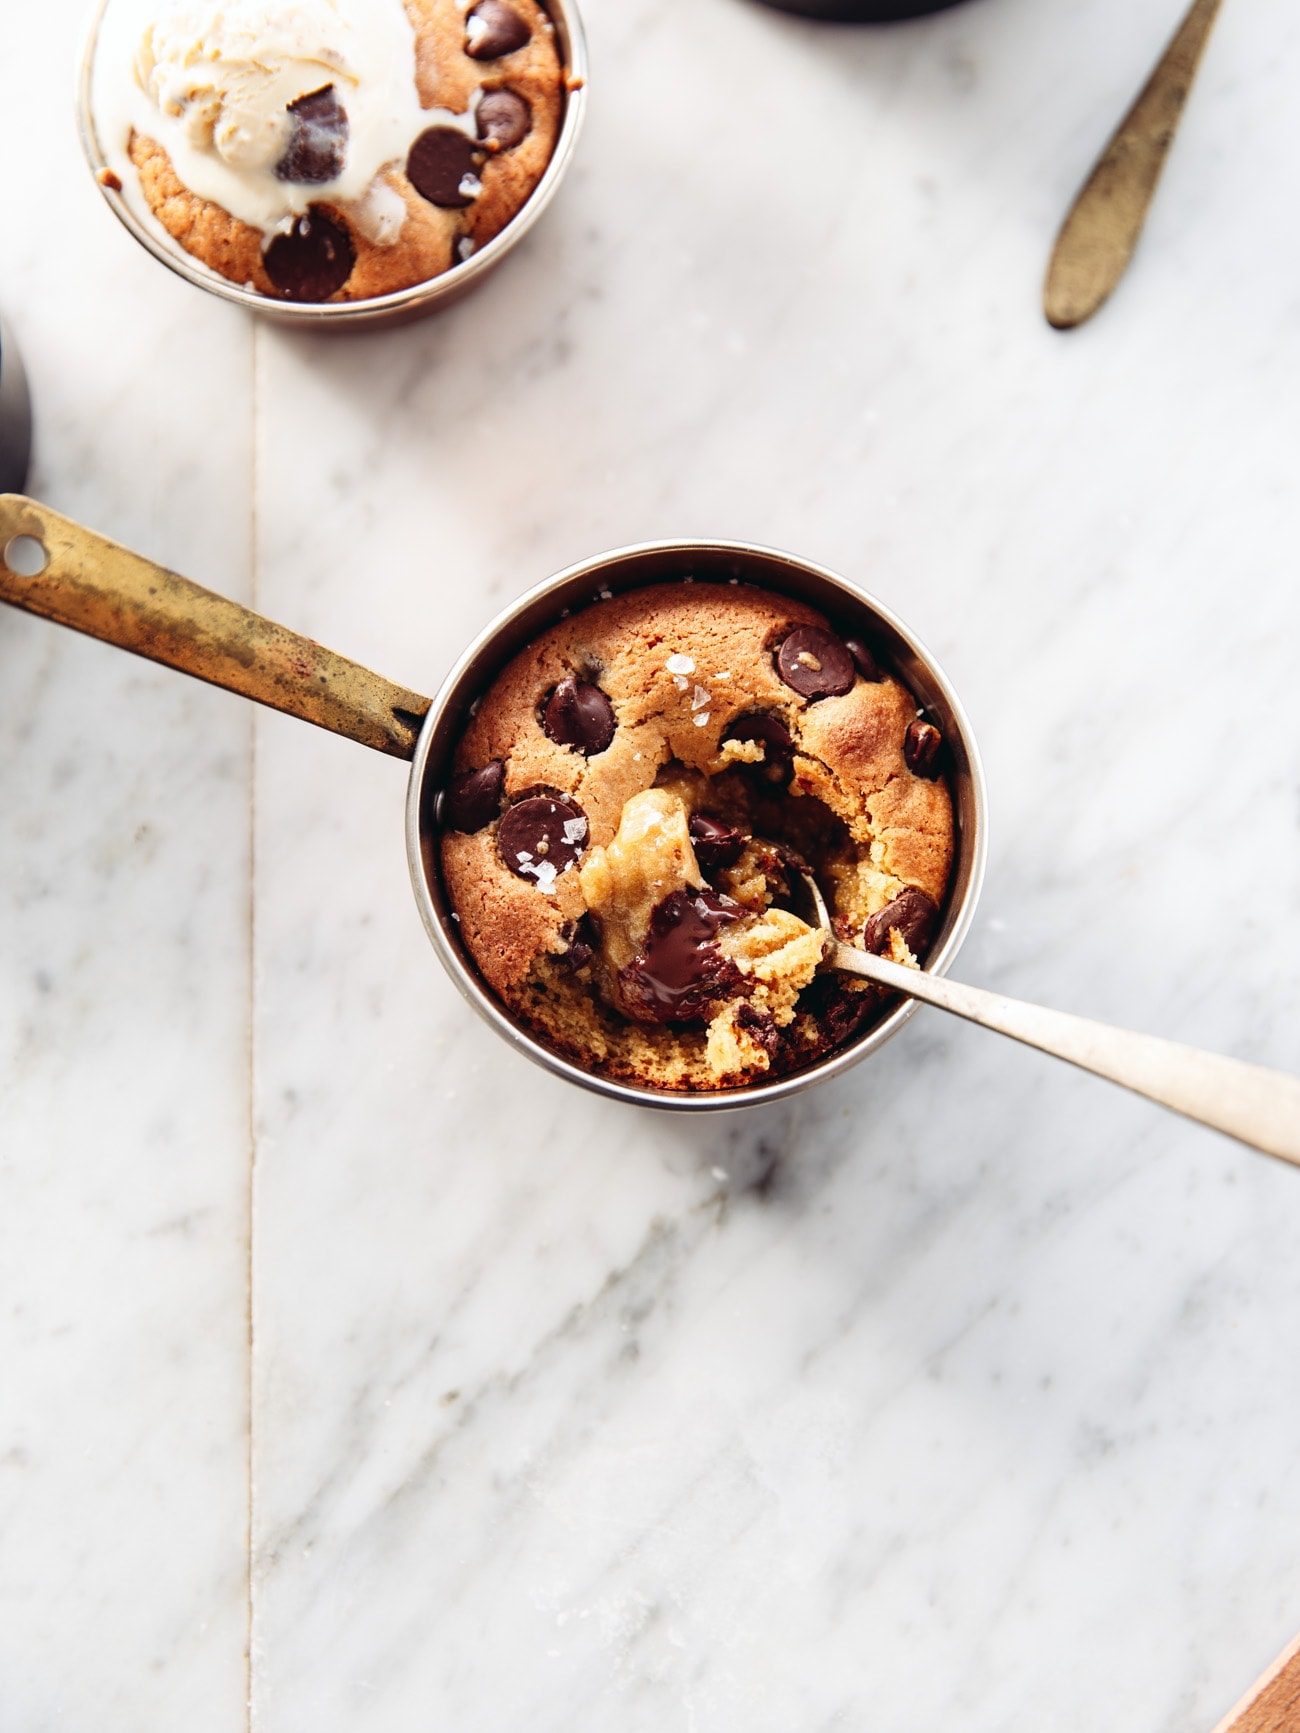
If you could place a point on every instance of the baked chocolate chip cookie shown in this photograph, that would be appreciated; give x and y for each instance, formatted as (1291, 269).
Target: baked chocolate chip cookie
(630, 809)
(471, 120)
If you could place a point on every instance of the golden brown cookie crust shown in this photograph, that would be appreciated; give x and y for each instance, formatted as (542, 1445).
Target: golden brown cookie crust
(446, 78)
(848, 755)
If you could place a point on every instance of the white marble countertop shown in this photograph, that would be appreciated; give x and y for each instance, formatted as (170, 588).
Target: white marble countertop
(354, 1368)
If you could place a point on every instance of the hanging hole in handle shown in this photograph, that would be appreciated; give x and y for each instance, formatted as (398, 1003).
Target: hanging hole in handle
(25, 556)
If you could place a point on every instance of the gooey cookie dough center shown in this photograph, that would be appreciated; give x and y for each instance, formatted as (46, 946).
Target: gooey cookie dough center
(671, 949)
(649, 860)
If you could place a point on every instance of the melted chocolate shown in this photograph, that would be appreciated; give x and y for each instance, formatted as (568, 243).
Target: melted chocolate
(760, 1026)
(679, 973)
(717, 845)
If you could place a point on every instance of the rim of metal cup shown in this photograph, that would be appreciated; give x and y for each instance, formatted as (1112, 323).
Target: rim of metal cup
(403, 304)
(633, 568)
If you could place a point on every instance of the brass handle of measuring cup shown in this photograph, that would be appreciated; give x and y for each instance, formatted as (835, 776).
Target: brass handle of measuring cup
(85, 581)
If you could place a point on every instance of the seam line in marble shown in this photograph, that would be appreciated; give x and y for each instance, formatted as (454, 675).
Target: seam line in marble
(254, 357)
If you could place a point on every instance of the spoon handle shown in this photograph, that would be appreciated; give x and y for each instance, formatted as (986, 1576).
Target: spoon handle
(1097, 238)
(97, 587)
(1258, 1107)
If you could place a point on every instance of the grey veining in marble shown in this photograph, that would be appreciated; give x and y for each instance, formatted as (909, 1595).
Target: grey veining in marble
(959, 1392)
(124, 993)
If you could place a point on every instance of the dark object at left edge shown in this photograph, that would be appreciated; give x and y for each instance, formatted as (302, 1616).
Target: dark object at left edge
(15, 416)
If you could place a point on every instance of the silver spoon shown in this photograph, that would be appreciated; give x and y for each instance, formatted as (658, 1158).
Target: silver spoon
(1097, 238)
(1258, 1107)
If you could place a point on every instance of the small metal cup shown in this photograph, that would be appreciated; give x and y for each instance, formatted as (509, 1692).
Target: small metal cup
(404, 304)
(57, 569)
(852, 610)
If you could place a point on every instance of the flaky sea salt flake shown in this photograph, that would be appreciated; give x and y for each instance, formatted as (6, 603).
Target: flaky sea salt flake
(543, 871)
(679, 664)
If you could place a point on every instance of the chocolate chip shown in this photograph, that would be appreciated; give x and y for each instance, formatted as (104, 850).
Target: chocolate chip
(539, 838)
(313, 261)
(504, 119)
(493, 29)
(770, 732)
(815, 664)
(764, 726)
(679, 971)
(837, 1013)
(921, 747)
(579, 715)
(318, 140)
(474, 799)
(760, 1026)
(441, 163)
(864, 660)
(717, 845)
(914, 915)
(581, 942)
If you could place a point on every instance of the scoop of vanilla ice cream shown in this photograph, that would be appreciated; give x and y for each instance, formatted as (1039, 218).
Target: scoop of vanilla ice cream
(212, 82)
(228, 70)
